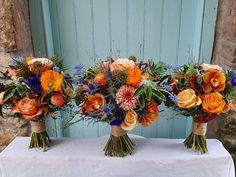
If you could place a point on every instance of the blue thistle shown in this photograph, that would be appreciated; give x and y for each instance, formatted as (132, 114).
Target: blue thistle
(92, 87)
(34, 84)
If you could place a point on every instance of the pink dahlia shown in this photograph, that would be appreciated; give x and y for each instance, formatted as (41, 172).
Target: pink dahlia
(126, 99)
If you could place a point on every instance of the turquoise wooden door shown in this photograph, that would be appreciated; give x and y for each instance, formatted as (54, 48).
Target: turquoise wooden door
(87, 31)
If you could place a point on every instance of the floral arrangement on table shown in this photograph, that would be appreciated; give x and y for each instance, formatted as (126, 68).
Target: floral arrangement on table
(32, 88)
(123, 93)
(204, 92)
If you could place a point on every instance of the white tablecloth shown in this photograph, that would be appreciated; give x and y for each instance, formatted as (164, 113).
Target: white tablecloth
(85, 158)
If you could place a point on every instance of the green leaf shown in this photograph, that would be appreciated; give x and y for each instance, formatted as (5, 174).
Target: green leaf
(139, 91)
(159, 95)
(149, 93)
(142, 102)
(9, 93)
(20, 89)
(1, 114)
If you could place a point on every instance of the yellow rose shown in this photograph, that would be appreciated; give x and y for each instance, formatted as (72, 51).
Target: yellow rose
(130, 121)
(213, 103)
(187, 99)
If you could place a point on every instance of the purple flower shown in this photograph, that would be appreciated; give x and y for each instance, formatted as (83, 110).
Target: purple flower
(106, 111)
(79, 69)
(34, 84)
(92, 87)
(173, 67)
(119, 115)
(174, 99)
(233, 81)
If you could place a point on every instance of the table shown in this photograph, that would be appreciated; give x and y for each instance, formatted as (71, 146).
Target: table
(84, 157)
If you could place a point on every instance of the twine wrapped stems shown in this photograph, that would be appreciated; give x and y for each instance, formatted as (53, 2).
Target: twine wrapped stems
(197, 139)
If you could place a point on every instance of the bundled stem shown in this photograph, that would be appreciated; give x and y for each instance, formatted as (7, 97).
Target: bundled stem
(39, 137)
(197, 139)
(119, 143)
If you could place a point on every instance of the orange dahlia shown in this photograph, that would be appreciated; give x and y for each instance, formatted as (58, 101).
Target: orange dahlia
(213, 79)
(51, 81)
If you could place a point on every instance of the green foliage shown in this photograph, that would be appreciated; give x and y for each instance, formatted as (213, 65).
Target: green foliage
(59, 63)
(9, 93)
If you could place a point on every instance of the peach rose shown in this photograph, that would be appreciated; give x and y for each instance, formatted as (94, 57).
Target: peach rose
(187, 99)
(1, 98)
(100, 79)
(130, 121)
(29, 108)
(58, 99)
(213, 103)
(206, 67)
(121, 64)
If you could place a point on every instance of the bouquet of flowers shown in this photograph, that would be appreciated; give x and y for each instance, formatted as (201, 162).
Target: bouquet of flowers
(123, 93)
(31, 88)
(204, 92)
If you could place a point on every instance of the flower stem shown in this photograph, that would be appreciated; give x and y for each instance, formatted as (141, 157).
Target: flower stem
(39, 140)
(197, 143)
(119, 146)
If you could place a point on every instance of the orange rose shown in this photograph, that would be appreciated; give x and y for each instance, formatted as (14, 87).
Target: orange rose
(51, 81)
(134, 76)
(146, 75)
(29, 108)
(151, 114)
(130, 121)
(94, 103)
(58, 99)
(100, 79)
(213, 79)
(213, 103)
(187, 99)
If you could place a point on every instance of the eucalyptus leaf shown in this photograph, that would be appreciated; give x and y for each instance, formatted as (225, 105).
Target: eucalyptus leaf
(20, 89)
(159, 95)
(9, 93)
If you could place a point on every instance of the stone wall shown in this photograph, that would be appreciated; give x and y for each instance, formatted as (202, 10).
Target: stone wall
(224, 54)
(15, 40)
